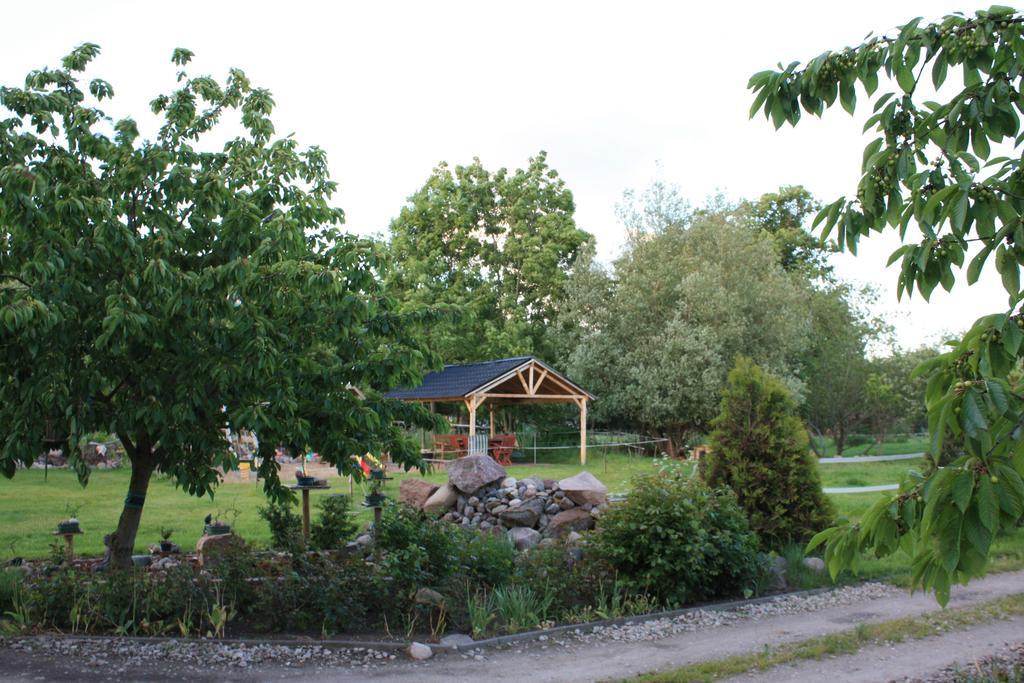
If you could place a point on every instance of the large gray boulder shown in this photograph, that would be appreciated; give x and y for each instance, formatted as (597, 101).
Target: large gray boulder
(526, 514)
(584, 488)
(473, 472)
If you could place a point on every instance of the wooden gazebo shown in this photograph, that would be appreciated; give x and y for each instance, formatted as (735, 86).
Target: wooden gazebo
(500, 382)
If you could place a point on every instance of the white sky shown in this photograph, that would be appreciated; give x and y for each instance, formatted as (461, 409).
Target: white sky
(617, 93)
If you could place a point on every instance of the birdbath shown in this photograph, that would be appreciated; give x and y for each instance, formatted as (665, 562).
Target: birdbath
(69, 534)
(306, 487)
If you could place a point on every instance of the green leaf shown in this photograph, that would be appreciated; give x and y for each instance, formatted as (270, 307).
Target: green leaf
(963, 486)
(988, 505)
(848, 95)
(905, 77)
(971, 416)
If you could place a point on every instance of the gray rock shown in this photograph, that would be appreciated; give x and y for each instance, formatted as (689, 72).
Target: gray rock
(420, 651)
(584, 488)
(566, 503)
(523, 537)
(444, 498)
(515, 502)
(498, 509)
(508, 482)
(473, 472)
(429, 596)
(457, 640)
(364, 540)
(570, 520)
(573, 538)
(815, 564)
(552, 509)
(473, 500)
(536, 482)
(525, 514)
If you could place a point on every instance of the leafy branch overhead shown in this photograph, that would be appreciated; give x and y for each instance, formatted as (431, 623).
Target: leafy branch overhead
(946, 170)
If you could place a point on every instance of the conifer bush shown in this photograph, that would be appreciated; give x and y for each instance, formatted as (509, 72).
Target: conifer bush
(759, 449)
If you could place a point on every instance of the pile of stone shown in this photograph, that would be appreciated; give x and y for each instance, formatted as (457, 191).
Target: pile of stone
(480, 495)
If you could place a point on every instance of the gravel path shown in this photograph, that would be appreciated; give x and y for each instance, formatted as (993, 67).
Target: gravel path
(915, 660)
(611, 653)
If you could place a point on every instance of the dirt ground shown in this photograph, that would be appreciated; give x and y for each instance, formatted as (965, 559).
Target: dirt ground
(598, 661)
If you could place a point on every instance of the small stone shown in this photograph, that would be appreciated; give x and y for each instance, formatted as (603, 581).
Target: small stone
(566, 503)
(508, 482)
(515, 502)
(420, 651)
(457, 640)
(552, 509)
(473, 500)
(815, 564)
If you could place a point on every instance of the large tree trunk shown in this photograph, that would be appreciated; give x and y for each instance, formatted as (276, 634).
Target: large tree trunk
(122, 541)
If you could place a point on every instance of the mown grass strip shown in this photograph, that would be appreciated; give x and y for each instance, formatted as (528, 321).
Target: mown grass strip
(845, 642)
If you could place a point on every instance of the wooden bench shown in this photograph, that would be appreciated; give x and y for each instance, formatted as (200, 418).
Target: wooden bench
(455, 444)
(501, 446)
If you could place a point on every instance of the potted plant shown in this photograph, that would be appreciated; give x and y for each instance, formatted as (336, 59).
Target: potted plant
(303, 479)
(373, 470)
(215, 527)
(165, 540)
(69, 525)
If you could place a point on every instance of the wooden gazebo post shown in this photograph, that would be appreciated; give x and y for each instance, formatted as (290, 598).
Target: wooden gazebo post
(583, 431)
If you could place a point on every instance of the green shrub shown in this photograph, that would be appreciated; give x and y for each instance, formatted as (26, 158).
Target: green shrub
(521, 608)
(678, 541)
(859, 439)
(759, 449)
(285, 526)
(334, 527)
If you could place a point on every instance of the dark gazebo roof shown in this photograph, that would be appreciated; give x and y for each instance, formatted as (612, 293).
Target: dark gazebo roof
(455, 382)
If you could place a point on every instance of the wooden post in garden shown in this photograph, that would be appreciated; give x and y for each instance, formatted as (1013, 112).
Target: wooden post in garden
(583, 431)
(305, 515)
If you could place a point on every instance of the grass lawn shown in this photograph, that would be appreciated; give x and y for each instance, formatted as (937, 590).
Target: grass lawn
(895, 446)
(31, 507)
(866, 473)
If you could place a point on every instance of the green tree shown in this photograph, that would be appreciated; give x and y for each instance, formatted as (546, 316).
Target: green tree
(835, 365)
(683, 300)
(495, 248)
(951, 167)
(783, 215)
(166, 290)
(759, 450)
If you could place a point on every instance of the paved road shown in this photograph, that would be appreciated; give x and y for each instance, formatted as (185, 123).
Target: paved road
(870, 458)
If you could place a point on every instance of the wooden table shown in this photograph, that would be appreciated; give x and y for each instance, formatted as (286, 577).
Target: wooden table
(305, 505)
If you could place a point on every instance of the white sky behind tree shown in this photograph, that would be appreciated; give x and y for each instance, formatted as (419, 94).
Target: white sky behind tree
(617, 93)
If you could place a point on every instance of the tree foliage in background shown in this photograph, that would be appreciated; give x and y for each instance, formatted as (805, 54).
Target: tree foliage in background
(759, 449)
(783, 216)
(166, 289)
(495, 248)
(836, 368)
(655, 338)
(950, 168)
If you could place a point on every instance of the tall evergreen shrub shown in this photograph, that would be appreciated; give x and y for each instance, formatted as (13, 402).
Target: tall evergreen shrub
(759, 449)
